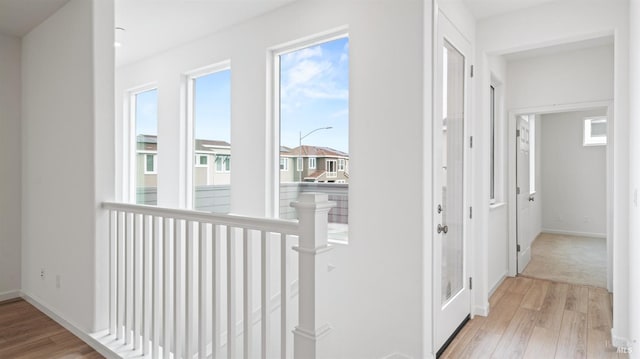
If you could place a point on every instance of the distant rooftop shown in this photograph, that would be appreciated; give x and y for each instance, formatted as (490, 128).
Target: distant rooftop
(314, 151)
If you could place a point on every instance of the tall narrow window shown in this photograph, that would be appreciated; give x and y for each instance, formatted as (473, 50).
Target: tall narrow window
(211, 120)
(492, 144)
(532, 154)
(145, 121)
(595, 131)
(314, 127)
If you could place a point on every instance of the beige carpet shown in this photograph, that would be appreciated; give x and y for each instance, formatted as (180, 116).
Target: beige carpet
(569, 259)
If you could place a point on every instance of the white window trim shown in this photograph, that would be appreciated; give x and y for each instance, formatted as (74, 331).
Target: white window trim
(155, 163)
(224, 160)
(130, 147)
(197, 159)
(186, 173)
(300, 164)
(329, 173)
(314, 166)
(341, 164)
(587, 139)
(285, 161)
(274, 105)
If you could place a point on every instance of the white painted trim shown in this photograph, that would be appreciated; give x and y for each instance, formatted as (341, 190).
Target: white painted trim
(481, 310)
(497, 284)
(72, 327)
(574, 233)
(511, 168)
(12, 294)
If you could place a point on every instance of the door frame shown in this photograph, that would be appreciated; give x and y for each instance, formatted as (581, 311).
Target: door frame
(512, 168)
(467, 169)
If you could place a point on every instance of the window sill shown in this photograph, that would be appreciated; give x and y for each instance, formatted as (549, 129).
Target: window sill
(496, 205)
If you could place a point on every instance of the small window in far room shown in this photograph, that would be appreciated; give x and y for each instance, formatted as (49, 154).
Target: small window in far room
(595, 131)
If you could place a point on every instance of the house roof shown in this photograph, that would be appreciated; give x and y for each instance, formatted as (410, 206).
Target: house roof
(315, 174)
(314, 151)
(150, 143)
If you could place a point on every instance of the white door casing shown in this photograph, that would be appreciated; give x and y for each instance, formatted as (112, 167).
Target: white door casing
(523, 196)
(452, 297)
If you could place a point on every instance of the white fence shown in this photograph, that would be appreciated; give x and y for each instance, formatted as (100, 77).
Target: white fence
(187, 284)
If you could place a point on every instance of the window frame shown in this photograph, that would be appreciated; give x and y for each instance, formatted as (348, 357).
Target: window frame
(341, 164)
(314, 165)
(331, 174)
(492, 144)
(225, 163)
(189, 79)
(300, 164)
(130, 152)
(587, 139)
(284, 164)
(154, 162)
(198, 161)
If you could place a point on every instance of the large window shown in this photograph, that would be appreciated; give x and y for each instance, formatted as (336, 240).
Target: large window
(210, 100)
(144, 110)
(314, 125)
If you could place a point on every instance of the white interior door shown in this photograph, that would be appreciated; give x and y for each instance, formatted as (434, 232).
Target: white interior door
(522, 190)
(451, 285)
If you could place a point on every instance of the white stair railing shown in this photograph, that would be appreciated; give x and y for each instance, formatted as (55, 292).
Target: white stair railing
(186, 284)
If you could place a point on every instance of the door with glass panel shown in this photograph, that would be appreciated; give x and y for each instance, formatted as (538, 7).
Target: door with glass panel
(523, 198)
(451, 279)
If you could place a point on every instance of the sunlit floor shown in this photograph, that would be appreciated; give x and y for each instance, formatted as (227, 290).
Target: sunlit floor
(569, 259)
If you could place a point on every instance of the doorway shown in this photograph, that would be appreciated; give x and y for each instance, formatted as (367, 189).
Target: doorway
(562, 220)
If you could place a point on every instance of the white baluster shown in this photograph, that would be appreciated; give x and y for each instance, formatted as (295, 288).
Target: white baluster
(157, 287)
(247, 293)
(202, 289)
(231, 295)
(284, 295)
(265, 294)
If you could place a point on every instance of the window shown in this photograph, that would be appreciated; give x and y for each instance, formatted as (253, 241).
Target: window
(595, 131)
(223, 163)
(150, 163)
(210, 127)
(202, 160)
(492, 144)
(331, 168)
(144, 179)
(341, 164)
(532, 154)
(312, 98)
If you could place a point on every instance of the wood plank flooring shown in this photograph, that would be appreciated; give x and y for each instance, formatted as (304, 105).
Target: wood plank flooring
(536, 318)
(25, 332)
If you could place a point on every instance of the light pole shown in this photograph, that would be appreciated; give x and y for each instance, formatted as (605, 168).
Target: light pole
(299, 170)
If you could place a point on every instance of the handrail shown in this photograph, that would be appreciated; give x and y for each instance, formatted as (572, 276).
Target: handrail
(290, 227)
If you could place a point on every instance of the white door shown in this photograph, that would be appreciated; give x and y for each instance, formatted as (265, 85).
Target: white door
(523, 220)
(451, 280)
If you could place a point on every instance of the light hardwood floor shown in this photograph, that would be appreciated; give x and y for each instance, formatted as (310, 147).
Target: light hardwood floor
(569, 259)
(25, 332)
(534, 318)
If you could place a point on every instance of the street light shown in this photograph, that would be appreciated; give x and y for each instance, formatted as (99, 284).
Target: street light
(300, 148)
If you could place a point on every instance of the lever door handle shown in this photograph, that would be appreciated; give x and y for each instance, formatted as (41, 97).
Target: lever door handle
(443, 229)
(532, 198)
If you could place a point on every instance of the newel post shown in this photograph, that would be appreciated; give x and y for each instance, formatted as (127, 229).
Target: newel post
(313, 214)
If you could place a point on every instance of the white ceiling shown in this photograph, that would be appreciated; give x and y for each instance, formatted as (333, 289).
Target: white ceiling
(18, 17)
(153, 26)
(487, 8)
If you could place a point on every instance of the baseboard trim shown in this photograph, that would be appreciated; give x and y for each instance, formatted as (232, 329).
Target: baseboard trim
(574, 233)
(74, 329)
(481, 310)
(12, 294)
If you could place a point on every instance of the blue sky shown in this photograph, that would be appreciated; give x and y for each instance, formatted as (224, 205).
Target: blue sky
(314, 93)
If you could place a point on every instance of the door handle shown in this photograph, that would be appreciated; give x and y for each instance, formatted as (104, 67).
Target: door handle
(532, 198)
(442, 228)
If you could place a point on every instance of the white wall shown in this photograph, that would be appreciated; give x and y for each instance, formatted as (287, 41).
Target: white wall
(569, 77)
(560, 22)
(634, 164)
(9, 166)
(574, 177)
(62, 101)
(381, 302)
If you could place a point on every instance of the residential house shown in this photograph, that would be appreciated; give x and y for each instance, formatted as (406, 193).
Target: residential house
(314, 164)
(64, 122)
